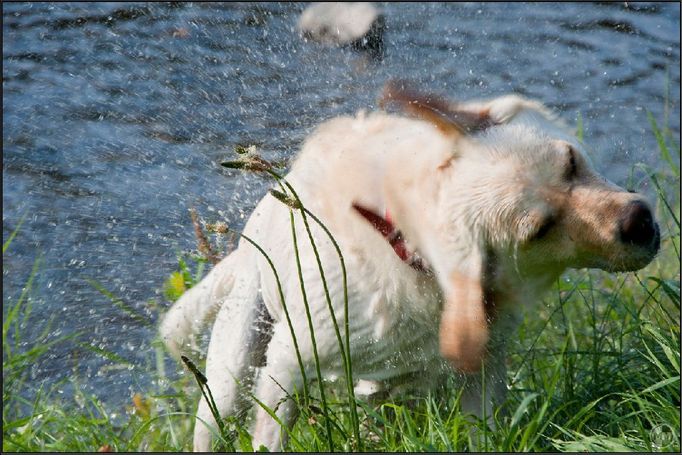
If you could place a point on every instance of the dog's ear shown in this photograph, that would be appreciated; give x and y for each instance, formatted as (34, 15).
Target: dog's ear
(435, 109)
(467, 312)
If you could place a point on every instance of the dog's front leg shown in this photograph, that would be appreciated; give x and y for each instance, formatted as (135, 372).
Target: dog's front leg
(484, 391)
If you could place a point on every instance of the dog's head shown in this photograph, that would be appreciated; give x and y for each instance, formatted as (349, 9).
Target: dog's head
(551, 208)
(517, 189)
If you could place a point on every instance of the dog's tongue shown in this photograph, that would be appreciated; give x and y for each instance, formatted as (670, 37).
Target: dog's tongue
(394, 237)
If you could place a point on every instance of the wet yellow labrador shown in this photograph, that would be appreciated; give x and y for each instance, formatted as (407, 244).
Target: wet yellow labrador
(450, 216)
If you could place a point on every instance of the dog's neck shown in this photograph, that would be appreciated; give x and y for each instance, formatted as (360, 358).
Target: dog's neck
(384, 225)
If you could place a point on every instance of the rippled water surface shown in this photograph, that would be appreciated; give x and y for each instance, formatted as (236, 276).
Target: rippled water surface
(115, 117)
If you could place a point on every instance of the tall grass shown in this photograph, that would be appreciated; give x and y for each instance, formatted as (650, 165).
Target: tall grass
(596, 368)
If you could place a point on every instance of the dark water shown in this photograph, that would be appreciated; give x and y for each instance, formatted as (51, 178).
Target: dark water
(116, 115)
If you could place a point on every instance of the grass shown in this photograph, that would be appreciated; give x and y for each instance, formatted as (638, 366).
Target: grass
(596, 367)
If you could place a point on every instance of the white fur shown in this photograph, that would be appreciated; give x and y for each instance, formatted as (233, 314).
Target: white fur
(450, 213)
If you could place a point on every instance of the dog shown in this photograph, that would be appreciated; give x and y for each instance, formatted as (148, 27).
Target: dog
(450, 217)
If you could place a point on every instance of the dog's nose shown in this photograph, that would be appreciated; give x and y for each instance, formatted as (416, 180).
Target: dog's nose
(637, 225)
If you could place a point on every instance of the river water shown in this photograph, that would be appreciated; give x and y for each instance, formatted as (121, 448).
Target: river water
(115, 117)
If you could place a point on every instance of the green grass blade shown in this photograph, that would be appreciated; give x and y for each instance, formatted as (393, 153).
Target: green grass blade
(662, 146)
(119, 303)
(7, 242)
(107, 354)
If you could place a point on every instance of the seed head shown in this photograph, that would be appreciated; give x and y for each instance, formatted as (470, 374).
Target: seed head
(286, 199)
(219, 227)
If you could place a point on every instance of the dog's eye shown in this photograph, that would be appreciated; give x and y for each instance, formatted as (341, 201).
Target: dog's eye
(545, 227)
(572, 167)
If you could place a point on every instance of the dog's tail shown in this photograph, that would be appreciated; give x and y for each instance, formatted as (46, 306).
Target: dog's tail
(199, 305)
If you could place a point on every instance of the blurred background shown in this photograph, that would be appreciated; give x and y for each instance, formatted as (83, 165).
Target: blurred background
(116, 115)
